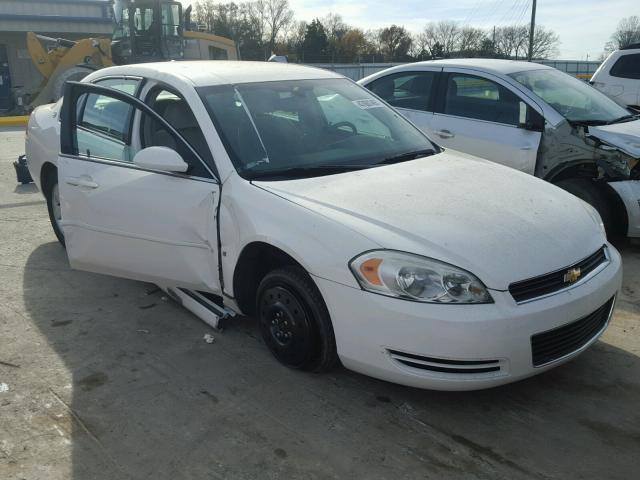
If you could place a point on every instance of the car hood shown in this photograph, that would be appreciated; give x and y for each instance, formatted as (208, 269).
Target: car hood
(624, 136)
(500, 224)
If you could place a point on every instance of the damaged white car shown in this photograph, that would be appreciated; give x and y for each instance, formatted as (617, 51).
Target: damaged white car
(530, 117)
(296, 196)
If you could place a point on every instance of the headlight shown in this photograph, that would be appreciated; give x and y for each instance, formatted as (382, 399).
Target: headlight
(408, 276)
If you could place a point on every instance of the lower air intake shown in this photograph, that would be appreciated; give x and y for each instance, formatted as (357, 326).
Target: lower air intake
(442, 365)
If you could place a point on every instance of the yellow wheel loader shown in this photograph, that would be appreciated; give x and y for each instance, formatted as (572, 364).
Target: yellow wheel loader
(144, 31)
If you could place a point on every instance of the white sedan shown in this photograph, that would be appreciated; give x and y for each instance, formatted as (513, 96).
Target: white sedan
(294, 195)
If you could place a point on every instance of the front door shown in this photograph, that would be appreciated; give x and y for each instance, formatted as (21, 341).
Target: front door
(124, 219)
(485, 118)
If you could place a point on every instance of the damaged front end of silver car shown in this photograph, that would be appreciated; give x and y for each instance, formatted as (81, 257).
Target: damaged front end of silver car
(606, 154)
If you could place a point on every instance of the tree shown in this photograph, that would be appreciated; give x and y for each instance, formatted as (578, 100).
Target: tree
(470, 39)
(204, 14)
(545, 42)
(278, 16)
(395, 42)
(295, 35)
(315, 43)
(352, 45)
(627, 33)
(445, 34)
(487, 48)
(335, 29)
(512, 41)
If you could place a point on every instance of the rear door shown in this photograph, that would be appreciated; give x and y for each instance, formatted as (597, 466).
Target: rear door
(411, 93)
(481, 115)
(126, 220)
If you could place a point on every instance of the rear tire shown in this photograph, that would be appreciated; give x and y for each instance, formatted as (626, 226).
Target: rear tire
(52, 194)
(595, 195)
(295, 322)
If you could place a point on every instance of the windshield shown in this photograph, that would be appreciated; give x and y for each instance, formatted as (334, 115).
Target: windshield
(311, 126)
(573, 99)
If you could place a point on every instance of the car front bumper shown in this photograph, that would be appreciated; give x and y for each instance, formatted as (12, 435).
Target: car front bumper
(382, 336)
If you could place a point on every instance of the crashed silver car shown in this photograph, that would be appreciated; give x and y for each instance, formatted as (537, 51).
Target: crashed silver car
(531, 117)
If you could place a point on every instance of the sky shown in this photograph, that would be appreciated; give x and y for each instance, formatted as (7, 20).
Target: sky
(584, 26)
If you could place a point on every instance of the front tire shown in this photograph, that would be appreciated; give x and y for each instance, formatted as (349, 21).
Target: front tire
(55, 211)
(295, 322)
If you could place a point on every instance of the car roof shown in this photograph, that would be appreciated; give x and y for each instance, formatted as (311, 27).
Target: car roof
(491, 65)
(220, 72)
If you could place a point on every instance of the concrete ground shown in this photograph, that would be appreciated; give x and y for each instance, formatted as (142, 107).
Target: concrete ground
(104, 378)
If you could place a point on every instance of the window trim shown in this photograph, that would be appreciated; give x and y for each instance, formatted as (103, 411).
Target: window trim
(68, 141)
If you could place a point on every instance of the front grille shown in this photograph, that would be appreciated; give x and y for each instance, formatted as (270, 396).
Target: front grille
(552, 282)
(554, 344)
(443, 365)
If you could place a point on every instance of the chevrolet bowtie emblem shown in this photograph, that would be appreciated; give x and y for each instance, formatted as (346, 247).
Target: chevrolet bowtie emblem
(572, 275)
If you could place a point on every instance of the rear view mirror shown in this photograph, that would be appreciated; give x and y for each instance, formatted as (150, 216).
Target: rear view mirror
(160, 158)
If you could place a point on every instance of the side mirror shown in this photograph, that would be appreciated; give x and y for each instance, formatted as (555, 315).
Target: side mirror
(529, 119)
(160, 158)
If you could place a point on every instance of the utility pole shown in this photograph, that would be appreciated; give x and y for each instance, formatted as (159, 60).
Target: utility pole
(531, 29)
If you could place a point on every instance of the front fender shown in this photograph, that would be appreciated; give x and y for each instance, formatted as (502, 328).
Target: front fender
(321, 245)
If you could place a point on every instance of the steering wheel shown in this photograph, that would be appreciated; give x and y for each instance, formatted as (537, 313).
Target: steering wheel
(354, 130)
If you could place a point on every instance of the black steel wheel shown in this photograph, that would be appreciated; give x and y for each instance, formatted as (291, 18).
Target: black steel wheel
(294, 321)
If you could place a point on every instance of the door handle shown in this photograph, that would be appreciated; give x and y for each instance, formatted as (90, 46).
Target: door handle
(444, 134)
(81, 182)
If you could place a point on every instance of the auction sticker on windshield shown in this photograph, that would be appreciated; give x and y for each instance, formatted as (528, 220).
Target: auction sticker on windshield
(367, 103)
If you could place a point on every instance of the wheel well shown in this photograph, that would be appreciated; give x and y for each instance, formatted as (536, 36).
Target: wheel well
(619, 210)
(589, 171)
(575, 170)
(256, 260)
(48, 175)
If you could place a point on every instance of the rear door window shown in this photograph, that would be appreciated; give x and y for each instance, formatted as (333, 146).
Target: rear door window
(627, 66)
(411, 90)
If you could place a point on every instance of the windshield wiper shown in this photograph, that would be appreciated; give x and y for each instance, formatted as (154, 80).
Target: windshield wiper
(624, 118)
(404, 157)
(596, 123)
(300, 172)
(588, 123)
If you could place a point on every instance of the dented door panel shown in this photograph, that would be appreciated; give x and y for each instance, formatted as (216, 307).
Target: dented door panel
(138, 224)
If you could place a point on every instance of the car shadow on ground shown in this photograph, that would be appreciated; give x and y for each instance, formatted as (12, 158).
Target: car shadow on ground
(151, 399)
(25, 188)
